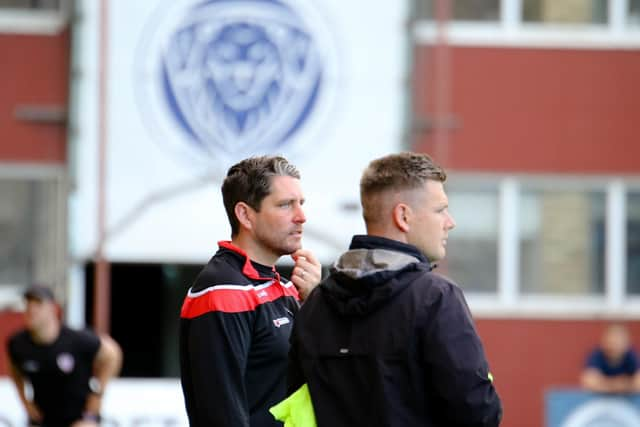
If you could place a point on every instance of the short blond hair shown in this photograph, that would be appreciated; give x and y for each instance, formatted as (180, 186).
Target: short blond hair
(395, 173)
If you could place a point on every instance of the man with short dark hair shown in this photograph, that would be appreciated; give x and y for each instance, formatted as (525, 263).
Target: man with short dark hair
(67, 369)
(237, 316)
(612, 367)
(384, 341)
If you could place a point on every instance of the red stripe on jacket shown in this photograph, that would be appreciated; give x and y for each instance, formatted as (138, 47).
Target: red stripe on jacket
(234, 299)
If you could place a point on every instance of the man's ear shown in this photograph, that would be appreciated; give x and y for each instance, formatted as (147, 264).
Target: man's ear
(245, 214)
(402, 216)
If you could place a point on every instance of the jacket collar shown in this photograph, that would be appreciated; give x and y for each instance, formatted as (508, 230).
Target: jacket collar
(249, 267)
(362, 241)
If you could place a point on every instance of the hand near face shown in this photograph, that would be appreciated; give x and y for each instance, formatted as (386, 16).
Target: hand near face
(307, 272)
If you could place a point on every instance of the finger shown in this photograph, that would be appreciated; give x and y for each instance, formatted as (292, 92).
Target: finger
(309, 263)
(302, 264)
(307, 255)
(298, 282)
(308, 272)
(298, 272)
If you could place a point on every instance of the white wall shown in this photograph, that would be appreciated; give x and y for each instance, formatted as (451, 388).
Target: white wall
(126, 402)
(361, 49)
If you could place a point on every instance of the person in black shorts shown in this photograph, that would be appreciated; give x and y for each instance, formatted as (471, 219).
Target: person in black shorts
(66, 368)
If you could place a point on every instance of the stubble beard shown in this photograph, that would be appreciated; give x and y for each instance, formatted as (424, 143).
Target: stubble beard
(280, 245)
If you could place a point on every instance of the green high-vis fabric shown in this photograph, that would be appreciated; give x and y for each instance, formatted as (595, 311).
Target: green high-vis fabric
(296, 410)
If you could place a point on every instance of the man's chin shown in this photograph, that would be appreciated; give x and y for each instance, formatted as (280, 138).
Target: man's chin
(291, 248)
(436, 257)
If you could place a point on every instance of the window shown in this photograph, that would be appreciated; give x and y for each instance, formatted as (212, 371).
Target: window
(30, 4)
(565, 12)
(34, 16)
(472, 247)
(463, 10)
(562, 23)
(634, 13)
(633, 243)
(561, 241)
(545, 244)
(32, 247)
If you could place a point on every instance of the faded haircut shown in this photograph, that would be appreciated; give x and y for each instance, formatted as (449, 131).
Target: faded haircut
(249, 181)
(394, 173)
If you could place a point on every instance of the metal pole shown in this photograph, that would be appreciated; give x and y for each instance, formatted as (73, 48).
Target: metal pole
(102, 280)
(442, 72)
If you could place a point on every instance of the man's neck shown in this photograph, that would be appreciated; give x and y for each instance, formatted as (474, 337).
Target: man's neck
(254, 251)
(48, 334)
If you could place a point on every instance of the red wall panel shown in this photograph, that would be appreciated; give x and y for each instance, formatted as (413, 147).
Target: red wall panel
(10, 321)
(527, 357)
(534, 110)
(35, 71)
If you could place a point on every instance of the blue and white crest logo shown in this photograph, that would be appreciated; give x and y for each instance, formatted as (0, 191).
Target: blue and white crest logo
(238, 77)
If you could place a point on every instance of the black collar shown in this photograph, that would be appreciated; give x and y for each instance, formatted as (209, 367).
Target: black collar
(362, 241)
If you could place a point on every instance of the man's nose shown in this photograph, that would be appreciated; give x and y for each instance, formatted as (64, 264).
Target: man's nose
(299, 215)
(451, 224)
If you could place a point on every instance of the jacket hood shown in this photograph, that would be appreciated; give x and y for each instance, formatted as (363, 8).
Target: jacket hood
(370, 274)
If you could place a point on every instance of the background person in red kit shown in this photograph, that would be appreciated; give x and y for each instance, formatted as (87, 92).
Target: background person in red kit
(68, 369)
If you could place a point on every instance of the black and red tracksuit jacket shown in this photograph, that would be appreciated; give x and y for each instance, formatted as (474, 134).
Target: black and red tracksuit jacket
(234, 338)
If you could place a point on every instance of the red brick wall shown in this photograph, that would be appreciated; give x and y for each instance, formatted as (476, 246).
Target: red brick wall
(527, 357)
(10, 321)
(35, 71)
(536, 110)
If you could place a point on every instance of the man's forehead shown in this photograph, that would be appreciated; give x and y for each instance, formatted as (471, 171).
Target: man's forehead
(285, 186)
(431, 192)
(435, 190)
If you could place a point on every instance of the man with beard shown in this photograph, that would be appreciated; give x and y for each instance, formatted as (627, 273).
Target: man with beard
(237, 316)
(384, 341)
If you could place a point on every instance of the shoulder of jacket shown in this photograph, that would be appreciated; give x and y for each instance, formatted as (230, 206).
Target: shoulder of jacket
(16, 337)
(437, 281)
(83, 333)
(219, 271)
(434, 288)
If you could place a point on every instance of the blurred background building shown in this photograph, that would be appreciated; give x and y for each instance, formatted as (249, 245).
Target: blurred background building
(532, 105)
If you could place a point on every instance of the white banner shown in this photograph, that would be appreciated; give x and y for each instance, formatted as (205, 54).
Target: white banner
(194, 86)
(126, 402)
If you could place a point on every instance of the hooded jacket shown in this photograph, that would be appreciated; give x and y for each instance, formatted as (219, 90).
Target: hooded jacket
(384, 341)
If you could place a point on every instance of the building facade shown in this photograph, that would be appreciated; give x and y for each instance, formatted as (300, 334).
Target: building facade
(531, 105)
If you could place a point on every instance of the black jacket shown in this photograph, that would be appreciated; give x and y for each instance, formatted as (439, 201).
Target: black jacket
(383, 341)
(234, 338)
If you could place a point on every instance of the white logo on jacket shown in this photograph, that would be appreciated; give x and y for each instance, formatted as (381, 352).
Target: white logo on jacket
(281, 321)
